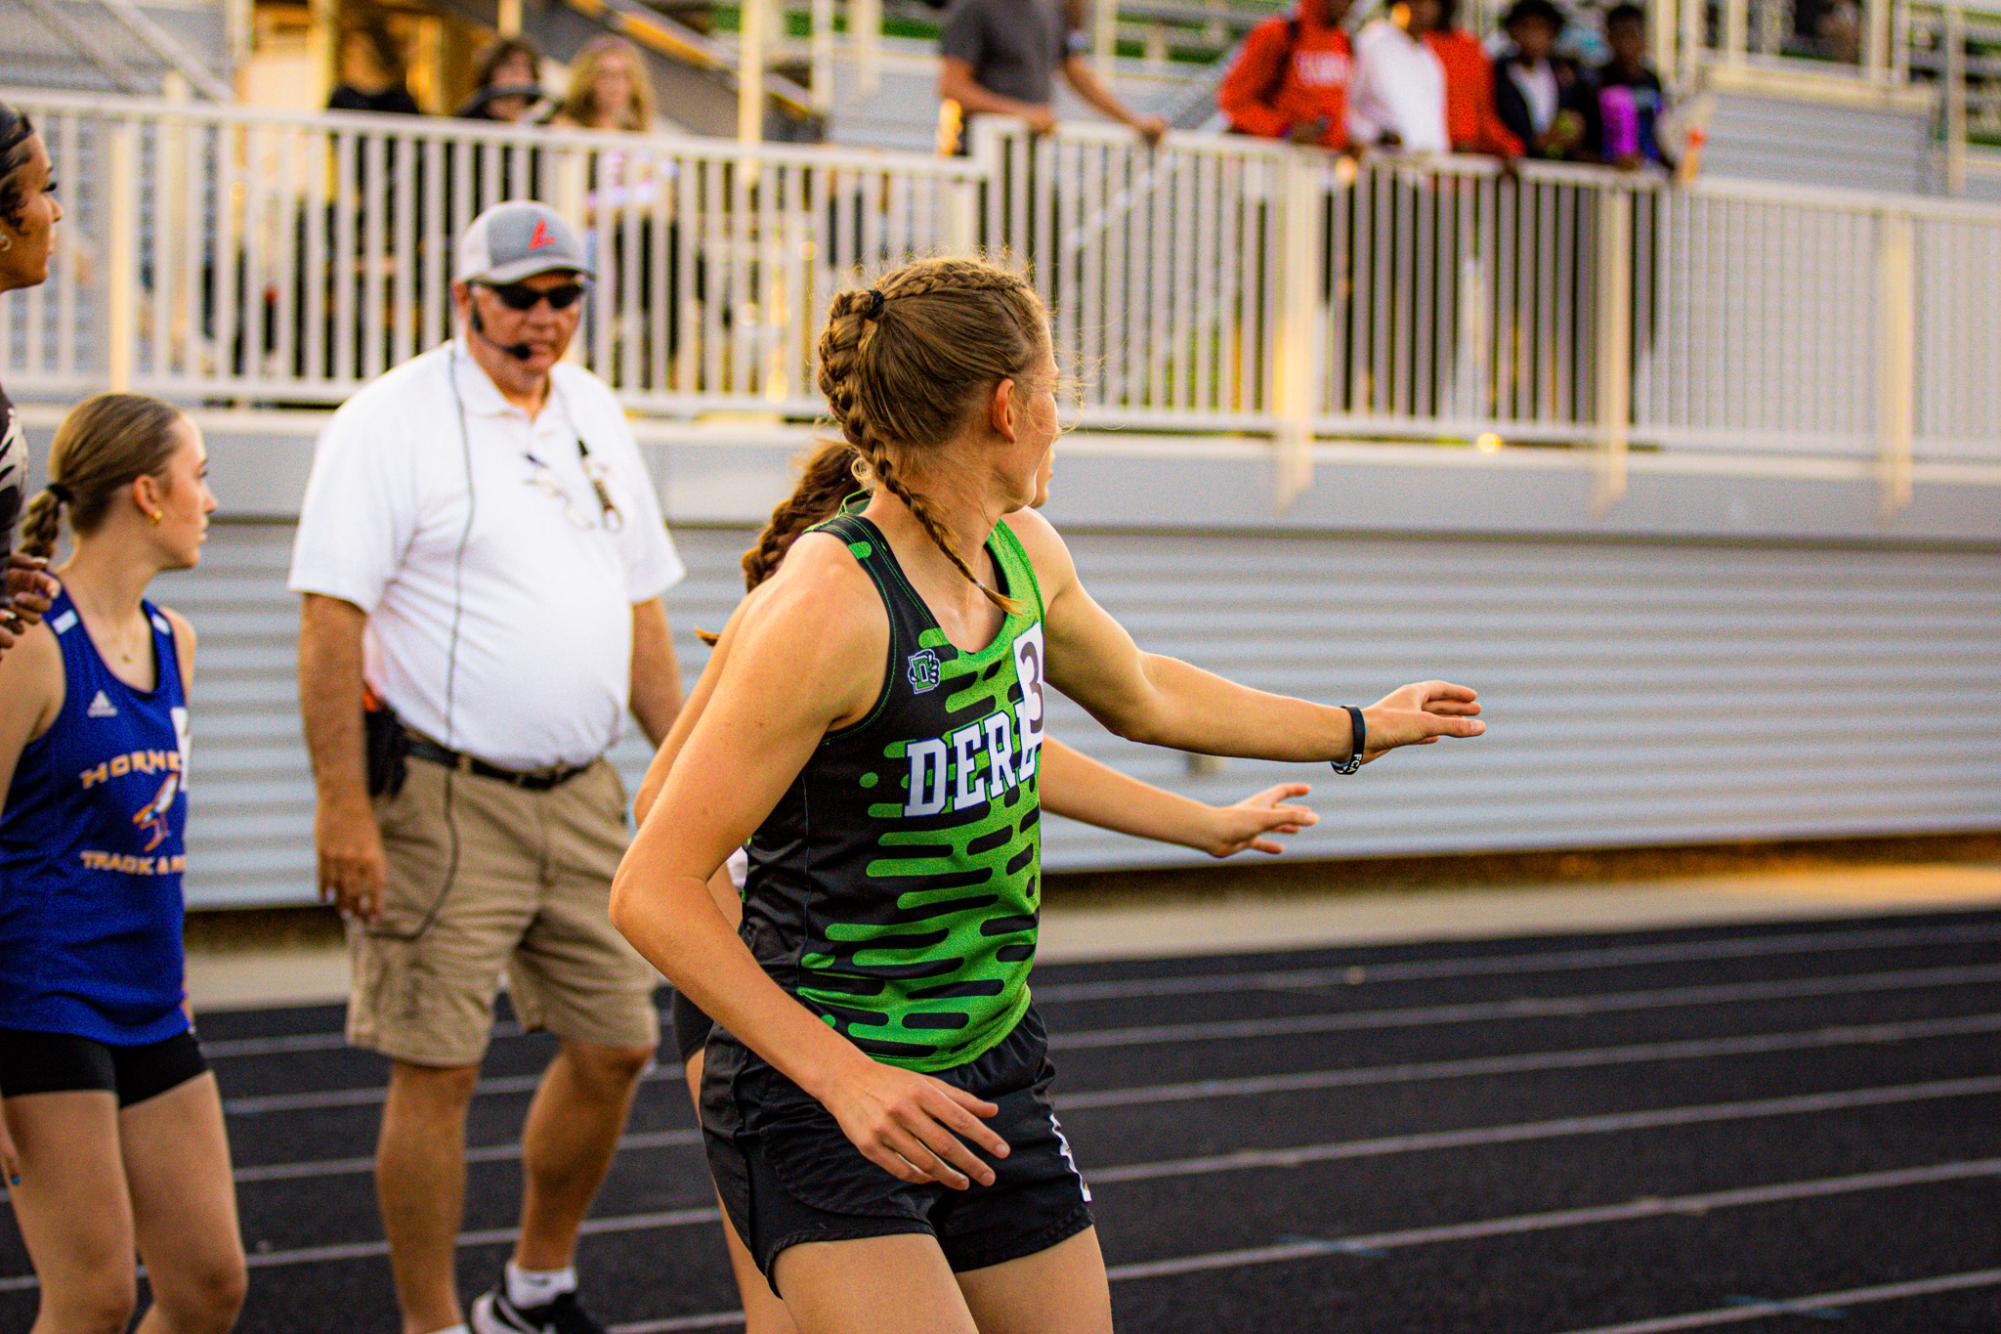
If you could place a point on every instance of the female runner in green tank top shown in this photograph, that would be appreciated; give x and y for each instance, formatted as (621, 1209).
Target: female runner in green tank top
(1069, 784)
(874, 737)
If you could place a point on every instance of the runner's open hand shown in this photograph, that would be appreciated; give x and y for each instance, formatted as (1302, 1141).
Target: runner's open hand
(1245, 826)
(912, 1126)
(1420, 714)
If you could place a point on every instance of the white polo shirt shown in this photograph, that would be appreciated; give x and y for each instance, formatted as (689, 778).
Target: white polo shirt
(499, 612)
(1399, 85)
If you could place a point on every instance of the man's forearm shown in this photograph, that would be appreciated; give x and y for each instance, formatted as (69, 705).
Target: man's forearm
(330, 686)
(656, 672)
(975, 100)
(1093, 90)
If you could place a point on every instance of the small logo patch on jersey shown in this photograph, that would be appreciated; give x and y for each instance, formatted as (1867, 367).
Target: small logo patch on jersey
(101, 707)
(923, 671)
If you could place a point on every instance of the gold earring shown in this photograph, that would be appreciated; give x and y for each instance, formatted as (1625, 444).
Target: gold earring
(6, 244)
(157, 516)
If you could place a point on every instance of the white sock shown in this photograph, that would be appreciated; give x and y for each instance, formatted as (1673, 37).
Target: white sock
(538, 1287)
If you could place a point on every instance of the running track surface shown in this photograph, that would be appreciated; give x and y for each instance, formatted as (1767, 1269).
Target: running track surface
(1771, 1128)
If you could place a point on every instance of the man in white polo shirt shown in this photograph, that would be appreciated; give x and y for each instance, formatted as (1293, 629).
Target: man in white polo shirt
(482, 557)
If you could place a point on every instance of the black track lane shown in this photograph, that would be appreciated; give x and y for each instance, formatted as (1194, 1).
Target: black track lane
(1542, 1281)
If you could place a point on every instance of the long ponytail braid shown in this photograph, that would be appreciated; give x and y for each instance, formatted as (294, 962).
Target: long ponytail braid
(908, 364)
(41, 525)
(826, 478)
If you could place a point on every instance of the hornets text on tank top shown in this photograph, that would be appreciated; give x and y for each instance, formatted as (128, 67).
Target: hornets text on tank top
(91, 853)
(894, 890)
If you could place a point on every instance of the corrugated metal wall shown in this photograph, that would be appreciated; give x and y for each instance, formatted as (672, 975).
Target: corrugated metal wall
(1639, 692)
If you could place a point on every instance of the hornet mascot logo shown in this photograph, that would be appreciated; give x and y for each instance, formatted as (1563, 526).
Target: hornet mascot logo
(152, 817)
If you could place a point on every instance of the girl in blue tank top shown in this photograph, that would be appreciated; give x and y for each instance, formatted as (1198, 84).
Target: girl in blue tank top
(113, 1125)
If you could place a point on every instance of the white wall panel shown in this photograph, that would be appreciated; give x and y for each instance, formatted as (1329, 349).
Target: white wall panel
(1638, 692)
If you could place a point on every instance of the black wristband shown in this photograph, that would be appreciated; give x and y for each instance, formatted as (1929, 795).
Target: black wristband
(1360, 732)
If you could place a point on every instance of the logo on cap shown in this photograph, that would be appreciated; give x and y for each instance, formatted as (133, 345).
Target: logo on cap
(541, 239)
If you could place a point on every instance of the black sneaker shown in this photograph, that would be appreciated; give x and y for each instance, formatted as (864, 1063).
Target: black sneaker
(494, 1314)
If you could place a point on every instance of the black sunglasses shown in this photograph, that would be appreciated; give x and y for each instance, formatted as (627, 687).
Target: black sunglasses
(520, 296)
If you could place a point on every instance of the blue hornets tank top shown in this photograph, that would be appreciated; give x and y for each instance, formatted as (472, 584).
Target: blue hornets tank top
(91, 853)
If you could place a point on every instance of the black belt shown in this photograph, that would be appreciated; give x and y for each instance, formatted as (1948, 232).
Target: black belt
(539, 780)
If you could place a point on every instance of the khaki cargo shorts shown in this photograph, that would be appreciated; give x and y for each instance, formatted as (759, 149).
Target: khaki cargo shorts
(486, 879)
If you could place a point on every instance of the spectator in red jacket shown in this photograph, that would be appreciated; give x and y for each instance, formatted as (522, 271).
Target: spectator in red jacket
(1291, 82)
(1470, 118)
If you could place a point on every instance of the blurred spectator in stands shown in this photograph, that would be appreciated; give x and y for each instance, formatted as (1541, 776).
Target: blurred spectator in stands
(609, 89)
(507, 89)
(373, 72)
(1471, 119)
(1631, 100)
(1543, 99)
(1001, 58)
(507, 82)
(1397, 99)
(1291, 81)
(28, 217)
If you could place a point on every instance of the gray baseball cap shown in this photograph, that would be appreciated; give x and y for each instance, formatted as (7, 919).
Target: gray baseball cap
(518, 240)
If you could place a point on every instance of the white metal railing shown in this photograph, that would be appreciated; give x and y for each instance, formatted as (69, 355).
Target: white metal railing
(1213, 285)
(1223, 284)
(225, 253)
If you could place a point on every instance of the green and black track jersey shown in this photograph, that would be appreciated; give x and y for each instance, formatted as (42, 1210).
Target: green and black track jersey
(894, 889)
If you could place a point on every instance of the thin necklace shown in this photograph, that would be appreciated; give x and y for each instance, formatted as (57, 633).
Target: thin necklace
(126, 654)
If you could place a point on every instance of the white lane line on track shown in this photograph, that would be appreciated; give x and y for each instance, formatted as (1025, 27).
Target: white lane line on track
(1576, 1006)
(1755, 1044)
(1551, 961)
(494, 1153)
(1612, 1123)
(1527, 1007)
(714, 1320)
(1634, 1211)
(1819, 1301)
(1299, 1155)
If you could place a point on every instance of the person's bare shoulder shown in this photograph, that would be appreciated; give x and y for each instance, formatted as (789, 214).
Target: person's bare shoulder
(1047, 551)
(31, 679)
(184, 645)
(820, 621)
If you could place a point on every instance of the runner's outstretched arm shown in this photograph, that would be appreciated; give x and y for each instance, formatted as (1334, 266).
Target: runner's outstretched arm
(1165, 702)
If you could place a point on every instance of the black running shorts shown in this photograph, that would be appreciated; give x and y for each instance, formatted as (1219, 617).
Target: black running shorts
(788, 1175)
(64, 1063)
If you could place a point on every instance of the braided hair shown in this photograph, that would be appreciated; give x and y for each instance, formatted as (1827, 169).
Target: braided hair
(909, 364)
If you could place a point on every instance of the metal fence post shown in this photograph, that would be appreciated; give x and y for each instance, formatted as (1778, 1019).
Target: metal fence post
(1876, 40)
(865, 40)
(1896, 360)
(821, 37)
(755, 20)
(1955, 99)
(1297, 367)
(121, 277)
(1615, 339)
(1736, 31)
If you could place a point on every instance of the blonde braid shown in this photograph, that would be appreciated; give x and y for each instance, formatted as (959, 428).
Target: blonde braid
(42, 525)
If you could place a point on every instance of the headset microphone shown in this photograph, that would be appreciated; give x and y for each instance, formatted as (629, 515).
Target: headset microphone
(519, 351)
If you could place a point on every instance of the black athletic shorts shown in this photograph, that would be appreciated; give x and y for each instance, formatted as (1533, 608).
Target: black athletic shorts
(788, 1175)
(64, 1063)
(691, 1025)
